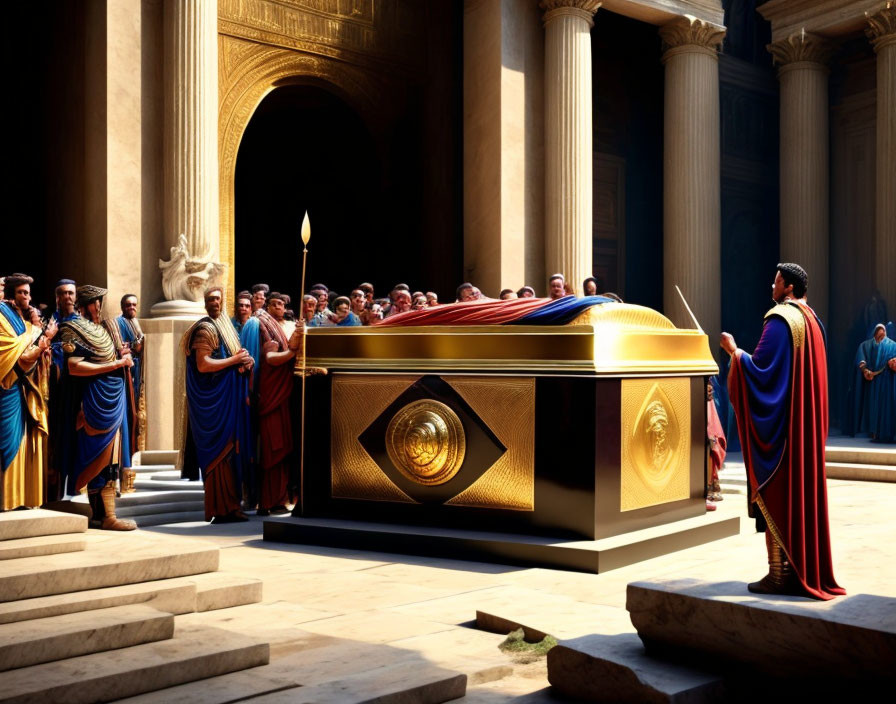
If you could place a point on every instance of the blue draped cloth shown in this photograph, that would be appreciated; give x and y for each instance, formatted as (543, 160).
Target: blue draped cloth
(12, 402)
(560, 311)
(127, 335)
(767, 374)
(250, 339)
(218, 406)
(876, 399)
(104, 405)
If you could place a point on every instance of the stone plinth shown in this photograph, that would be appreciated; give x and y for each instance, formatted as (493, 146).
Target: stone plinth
(165, 382)
(848, 638)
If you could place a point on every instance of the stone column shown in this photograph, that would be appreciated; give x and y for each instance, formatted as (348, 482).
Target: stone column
(882, 31)
(568, 138)
(191, 155)
(691, 173)
(804, 188)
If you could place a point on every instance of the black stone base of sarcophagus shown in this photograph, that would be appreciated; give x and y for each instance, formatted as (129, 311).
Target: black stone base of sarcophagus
(594, 556)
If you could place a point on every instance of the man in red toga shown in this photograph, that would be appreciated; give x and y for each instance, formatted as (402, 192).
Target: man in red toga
(780, 397)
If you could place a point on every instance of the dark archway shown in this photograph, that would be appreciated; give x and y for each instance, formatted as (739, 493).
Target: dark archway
(305, 148)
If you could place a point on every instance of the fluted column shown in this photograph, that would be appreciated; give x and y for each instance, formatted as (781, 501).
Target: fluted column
(568, 137)
(191, 153)
(882, 31)
(804, 167)
(691, 173)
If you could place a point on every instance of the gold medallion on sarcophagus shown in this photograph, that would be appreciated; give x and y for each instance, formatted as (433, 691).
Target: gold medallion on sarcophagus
(426, 442)
(656, 429)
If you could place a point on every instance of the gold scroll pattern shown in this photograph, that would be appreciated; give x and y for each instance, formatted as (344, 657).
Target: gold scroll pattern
(357, 400)
(507, 406)
(656, 431)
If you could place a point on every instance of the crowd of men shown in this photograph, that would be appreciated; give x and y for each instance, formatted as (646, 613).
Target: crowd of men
(72, 407)
(71, 396)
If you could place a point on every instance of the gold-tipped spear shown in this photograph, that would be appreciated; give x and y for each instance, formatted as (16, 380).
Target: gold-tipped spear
(306, 237)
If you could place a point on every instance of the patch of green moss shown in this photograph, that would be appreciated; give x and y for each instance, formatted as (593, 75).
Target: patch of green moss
(516, 644)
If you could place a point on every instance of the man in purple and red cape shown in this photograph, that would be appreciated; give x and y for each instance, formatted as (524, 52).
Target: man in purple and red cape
(780, 397)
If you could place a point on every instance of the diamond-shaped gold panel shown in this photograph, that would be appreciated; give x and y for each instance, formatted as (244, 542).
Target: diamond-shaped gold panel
(656, 431)
(507, 406)
(357, 400)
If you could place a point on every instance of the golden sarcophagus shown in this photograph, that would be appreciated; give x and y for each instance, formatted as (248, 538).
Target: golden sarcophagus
(579, 432)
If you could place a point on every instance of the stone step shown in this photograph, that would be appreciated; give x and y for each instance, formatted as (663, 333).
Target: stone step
(180, 595)
(615, 668)
(147, 508)
(170, 475)
(862, 455)
(41, 545)
(164, 519)
(149, 484)
(37, 522)
(193, 654)
(142, 469)
(109, 560)
(417, 682)
(849, 638)
(140, 498)
(71, 635)
(861, 472)
(157, 457)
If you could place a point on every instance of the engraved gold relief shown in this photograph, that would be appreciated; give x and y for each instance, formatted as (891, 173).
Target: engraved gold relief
(655, 442)
(356, 401)
(425, 441)
(507, 406)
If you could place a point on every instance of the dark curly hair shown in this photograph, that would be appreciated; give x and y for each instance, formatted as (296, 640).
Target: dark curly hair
(795, 275)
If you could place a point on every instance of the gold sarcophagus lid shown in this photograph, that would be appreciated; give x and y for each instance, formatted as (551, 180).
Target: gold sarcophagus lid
(581, 431)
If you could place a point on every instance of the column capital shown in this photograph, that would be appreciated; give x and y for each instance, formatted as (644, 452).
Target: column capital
(690, 31)
(881, 28)
(800, 47)
(583, 9)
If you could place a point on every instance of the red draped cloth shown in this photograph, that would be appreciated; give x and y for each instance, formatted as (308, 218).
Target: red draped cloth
(274, 424)
(793, 496)
(481, 312)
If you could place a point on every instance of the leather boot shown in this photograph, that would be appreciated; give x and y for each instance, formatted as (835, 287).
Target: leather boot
(110, 522)
(780, 578)
(127, 481)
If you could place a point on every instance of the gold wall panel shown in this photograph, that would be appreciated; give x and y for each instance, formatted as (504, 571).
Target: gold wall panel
(656, 433)
(507, 406)
(356, 402)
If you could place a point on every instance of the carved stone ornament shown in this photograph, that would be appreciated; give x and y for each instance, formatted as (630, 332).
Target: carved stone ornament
(882, 26)
(583, 9)
(801, 47)
(689, 30)
(186, 276)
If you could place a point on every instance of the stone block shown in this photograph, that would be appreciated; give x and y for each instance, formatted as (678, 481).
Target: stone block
(831, 641)
(222, 591)
(60, 637)
(191, 655)
(37, 522)
(157, 457)
(615, 668)
(41, 545)
(404, 683)
(109, 561)
(173, 596)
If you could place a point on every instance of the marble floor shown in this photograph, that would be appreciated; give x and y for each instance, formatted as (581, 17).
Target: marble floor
(329, 609)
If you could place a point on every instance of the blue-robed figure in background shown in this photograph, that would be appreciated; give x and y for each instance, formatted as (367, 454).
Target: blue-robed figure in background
(94, 368)
(874, 410)
(132, 336)
(217, 381)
